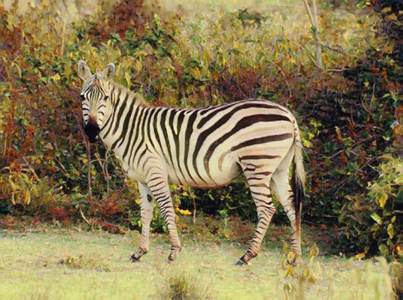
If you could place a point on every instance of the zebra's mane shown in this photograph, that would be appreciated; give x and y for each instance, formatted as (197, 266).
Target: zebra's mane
(132, 95)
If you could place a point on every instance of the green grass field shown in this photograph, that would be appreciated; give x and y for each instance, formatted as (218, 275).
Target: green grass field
(73, 264)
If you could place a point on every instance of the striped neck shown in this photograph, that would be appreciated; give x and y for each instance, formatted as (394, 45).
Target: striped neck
(122, 103)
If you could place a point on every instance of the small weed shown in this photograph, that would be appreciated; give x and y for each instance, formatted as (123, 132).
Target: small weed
(80, 262)
(182, 285)
(296, 280)
(377, 278)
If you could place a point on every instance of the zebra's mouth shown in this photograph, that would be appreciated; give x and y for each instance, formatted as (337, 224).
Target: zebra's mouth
(92, 130)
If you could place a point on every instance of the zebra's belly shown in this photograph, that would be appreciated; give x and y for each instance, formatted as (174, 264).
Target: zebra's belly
(216, 177)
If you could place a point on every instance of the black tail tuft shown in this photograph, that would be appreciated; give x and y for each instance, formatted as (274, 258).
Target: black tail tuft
(298, 190)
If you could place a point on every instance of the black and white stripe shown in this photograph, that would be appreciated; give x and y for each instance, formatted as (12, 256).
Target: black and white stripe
(203, 148)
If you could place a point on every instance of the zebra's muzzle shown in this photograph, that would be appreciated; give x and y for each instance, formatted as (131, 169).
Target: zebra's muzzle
(92, 130)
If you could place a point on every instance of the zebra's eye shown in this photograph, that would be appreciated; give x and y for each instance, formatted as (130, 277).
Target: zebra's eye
(106, 98)
(82, 97)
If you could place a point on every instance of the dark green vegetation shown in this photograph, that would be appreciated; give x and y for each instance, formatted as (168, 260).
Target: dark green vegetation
(342, 79)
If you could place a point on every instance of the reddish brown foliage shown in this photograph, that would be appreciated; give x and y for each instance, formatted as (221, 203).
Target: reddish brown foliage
(126, 14)
(10, 36)
(60, 214)
(110, 206)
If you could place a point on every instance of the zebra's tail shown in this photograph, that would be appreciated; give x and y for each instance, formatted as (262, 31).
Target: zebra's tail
(298, 176)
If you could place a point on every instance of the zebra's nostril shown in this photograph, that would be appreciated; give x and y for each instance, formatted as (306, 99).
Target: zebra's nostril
(91, 130)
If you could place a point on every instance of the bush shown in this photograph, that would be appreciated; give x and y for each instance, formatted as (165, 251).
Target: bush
(357, 128)
(371, 222)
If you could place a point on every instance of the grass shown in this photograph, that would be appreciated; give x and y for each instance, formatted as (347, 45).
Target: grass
(74, 264)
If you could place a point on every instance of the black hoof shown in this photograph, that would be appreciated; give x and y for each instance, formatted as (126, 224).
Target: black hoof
(133, 259)
(291, 263)
(170, 260)
(291, 259)
(240, 262)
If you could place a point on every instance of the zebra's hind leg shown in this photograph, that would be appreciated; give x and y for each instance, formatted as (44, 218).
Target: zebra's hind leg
(259, 187)
(147, 208)
(282, 189)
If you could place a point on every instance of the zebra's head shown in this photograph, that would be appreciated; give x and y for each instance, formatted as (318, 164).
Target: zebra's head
(94, 96)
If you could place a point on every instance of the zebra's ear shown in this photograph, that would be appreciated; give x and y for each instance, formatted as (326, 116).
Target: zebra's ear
(109, 71)
(83, 70)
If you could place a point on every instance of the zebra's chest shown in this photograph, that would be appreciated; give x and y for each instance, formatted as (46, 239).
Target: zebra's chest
(131, 169)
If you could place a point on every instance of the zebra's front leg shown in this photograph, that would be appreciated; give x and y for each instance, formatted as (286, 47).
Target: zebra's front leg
(147, 208)
(160, 189)
(265, 210)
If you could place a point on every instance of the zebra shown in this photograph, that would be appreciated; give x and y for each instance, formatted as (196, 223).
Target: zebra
(200, 148)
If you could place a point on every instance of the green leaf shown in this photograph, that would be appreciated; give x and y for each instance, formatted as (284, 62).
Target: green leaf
(376, 218)
(391, 231)
(115, 38)
(382, 199)
(383, 249)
